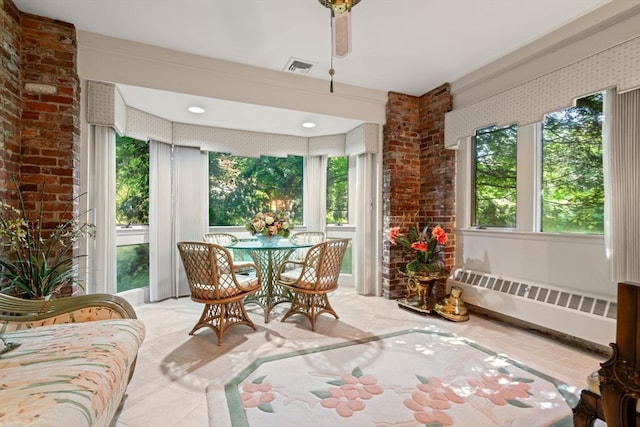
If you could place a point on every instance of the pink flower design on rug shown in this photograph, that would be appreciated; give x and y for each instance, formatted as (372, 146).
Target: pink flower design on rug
(347, 398)
(431, 401)
(501, 389)
(257, 394)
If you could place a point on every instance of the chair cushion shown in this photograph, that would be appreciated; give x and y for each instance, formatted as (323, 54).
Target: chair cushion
(593, 384)
(291, 276)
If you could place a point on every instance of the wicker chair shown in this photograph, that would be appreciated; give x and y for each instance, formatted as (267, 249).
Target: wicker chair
(304, 238)
(226, 240)
(213, 281)
(312, 279)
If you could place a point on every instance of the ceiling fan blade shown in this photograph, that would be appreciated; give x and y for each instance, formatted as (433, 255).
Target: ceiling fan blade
(341, 34)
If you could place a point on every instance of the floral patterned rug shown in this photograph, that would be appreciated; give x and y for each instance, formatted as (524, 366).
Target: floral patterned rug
(408, 378)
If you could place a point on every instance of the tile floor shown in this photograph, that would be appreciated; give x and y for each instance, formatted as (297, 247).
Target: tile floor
(173, 368)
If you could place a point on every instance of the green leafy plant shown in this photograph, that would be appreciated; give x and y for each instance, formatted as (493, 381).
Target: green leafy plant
(36, 262)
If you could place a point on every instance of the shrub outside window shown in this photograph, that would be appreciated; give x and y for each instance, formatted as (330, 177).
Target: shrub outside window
(494, 199)
(572, 171)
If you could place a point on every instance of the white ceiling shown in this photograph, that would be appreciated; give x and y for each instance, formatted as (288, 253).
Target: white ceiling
(406, 46)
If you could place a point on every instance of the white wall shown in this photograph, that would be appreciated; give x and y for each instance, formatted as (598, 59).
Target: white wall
(575, 264)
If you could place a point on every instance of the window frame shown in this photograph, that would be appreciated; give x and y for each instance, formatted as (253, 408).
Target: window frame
(528, 181)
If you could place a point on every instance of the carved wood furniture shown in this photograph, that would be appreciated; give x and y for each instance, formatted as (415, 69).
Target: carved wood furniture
(312, 279)
(214, 282)
(619, 377)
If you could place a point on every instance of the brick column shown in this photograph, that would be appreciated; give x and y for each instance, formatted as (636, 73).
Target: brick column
(40, 114)
(418, 175)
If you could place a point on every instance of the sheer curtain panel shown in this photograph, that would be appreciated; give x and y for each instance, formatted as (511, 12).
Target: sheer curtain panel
(622, 186)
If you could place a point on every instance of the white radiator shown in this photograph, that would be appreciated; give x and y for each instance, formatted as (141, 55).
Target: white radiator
(583, 316)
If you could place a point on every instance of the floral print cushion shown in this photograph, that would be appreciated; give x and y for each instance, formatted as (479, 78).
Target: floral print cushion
(68, 374)
(81, 315)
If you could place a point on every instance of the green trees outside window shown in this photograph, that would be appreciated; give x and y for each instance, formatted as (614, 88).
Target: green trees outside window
(495, 177)
(572, 174)
(240, 187)
(132, 208)
(338, 190)
(132, 181)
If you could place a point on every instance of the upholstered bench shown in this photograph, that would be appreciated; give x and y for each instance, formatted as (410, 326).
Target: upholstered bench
(69, 362)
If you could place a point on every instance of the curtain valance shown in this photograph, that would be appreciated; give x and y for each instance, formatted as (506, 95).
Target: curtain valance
(106, 107)
(527, 103)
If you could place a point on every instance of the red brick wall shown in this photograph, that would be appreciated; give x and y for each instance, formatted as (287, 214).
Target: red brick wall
(40, 114)
(437, 166)
(40, 95)
(418, 175)
(10, 93)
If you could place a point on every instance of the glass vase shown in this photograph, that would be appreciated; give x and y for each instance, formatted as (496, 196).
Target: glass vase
(268, 241)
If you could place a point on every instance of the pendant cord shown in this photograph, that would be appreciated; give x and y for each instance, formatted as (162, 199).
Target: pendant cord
(331, 70)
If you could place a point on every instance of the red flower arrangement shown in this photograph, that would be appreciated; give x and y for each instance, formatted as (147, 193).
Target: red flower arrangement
(426, 245)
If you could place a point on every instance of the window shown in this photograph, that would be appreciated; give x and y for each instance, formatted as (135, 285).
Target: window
(239, 187)
(132, 213)
(337, 190)
(495, 177)
(572, 174)
(132, 181)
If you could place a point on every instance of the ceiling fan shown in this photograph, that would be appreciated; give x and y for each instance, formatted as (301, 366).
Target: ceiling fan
(340, 29)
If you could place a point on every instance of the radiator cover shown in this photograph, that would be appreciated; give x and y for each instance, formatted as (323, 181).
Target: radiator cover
(586, 317)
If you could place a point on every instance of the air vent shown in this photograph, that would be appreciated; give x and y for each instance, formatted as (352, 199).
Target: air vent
(299, 66)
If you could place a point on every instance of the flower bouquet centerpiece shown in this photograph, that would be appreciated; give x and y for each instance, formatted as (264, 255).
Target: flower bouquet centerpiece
(270, 227)
(426, 246)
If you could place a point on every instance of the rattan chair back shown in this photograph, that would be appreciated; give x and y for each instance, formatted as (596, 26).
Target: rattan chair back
(213, 281)
(312, 279)
(222, 239)
(305, 238)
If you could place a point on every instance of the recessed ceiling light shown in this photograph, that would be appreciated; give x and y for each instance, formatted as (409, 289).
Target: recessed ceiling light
(197, 110)
(308, 125)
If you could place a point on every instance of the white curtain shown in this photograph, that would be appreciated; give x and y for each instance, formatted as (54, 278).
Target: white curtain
(103, 194)
(178, 193)
(366, 262)
(622, 185)
(315, 193)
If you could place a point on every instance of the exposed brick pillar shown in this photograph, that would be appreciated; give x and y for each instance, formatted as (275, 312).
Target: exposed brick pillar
(10, 93)
(40, 114)
(418, 176)
(51, 113)
(400, 183)
(437, 166)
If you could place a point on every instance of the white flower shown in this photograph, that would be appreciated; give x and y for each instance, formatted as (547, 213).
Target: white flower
(285, 225)
(268, 219)
(258, 225)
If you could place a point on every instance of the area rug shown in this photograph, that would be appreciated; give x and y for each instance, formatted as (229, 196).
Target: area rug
(408, 378)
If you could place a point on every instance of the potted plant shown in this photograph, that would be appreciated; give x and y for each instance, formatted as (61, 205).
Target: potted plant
(37, 262)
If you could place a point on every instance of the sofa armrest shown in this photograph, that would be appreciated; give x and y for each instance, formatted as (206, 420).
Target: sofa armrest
(18, 313)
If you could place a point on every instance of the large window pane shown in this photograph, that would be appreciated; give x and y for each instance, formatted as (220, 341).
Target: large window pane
(572, 177)
(132, 181)
(240, 187)
(132, 211)
(495, 177)
(338, 190)
(133, 267)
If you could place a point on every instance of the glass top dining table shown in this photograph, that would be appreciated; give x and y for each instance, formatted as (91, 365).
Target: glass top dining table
(268, 260)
